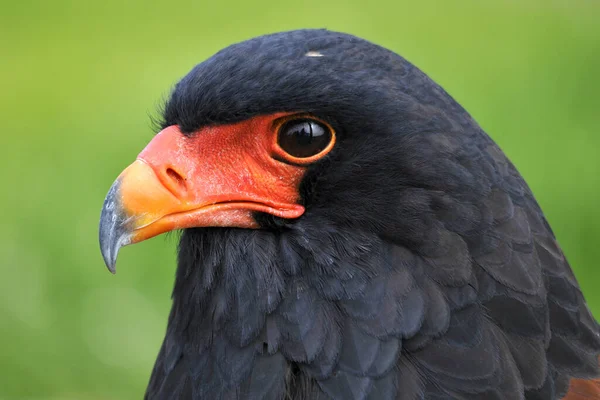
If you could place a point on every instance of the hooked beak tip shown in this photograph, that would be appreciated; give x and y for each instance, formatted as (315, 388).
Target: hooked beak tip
(113, 231)
(110, 260)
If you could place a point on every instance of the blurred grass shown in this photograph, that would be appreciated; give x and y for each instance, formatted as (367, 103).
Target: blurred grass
(79, 79)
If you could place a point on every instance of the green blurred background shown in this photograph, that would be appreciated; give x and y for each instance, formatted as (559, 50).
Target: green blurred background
(79, 80)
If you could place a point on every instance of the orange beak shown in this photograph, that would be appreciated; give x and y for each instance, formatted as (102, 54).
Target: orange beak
(218, 176)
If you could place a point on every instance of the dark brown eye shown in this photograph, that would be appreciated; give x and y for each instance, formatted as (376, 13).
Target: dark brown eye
(304, 138)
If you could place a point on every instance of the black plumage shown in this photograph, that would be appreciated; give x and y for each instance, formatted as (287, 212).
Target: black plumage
(423, 268)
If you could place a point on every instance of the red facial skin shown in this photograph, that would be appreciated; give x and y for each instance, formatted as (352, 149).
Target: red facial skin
(217, 176)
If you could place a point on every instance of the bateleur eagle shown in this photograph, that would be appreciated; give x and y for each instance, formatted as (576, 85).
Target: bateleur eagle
(349, 232)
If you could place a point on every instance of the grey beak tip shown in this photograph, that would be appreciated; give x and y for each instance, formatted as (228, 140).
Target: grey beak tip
(110, 242)
(111, 264)
(112, 232)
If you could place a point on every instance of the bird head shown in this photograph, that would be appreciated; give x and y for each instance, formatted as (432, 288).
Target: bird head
(291, 131)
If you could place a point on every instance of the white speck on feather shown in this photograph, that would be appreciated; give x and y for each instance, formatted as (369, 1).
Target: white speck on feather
(314, 54)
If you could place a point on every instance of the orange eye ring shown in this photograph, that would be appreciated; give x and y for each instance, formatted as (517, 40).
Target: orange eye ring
(303, 128)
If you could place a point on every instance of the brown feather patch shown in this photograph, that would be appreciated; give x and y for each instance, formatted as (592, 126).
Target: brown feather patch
(583, 389)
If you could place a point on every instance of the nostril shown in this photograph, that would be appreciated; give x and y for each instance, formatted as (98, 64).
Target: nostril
(177, 178)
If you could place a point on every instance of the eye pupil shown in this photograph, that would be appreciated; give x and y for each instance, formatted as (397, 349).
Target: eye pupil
(304, 138)
(303, 134)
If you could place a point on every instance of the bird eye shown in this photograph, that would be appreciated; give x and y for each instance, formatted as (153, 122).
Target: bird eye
(304, 138)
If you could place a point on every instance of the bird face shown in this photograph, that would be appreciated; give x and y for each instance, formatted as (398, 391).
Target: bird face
(217, 176)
